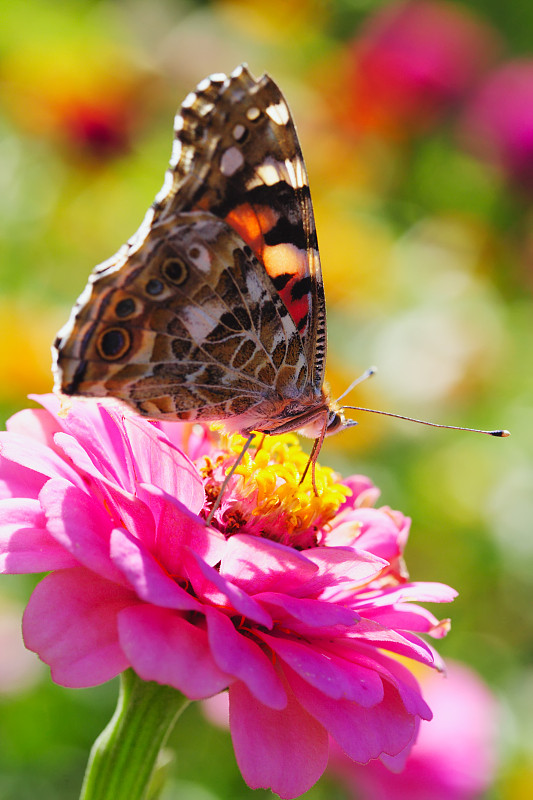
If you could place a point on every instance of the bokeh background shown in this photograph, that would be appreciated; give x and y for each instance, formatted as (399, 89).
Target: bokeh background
(416, 122)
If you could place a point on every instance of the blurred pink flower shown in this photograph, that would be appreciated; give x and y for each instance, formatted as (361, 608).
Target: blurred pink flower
(113, 509)
(66, 93)
(498, 123)
(454, 757)
(412, 61)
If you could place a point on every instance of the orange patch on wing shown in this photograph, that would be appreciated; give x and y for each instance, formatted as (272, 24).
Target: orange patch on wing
(280, 259)
(252, 222)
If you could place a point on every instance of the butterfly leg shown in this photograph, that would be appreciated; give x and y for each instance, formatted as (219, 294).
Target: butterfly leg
(228, 477)
(260, 445)
(317, 446)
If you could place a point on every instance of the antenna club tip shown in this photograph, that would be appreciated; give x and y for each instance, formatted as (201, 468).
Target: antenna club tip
(501, 434)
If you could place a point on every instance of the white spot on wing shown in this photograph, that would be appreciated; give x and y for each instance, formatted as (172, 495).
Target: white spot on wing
(203, 85)
(238, 131)
(253, 113)
(204, 107)
(299, 169)
(202, 260)
(167, 186)
(269, 172)
(197, 322)
(253, 182)
(189, 100)
(176, 152)
(254, 287)
(296, 173)
(232, 160)
(217, 77)
(278, 113)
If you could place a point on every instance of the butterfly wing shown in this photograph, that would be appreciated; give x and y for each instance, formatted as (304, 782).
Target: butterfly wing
(240, 334)
(186, 327)
(236, 153)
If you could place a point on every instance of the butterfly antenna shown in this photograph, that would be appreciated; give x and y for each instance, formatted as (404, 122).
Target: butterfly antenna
(500, 433)
(366, 374)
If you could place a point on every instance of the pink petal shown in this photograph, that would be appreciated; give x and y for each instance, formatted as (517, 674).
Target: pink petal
(176, 526)
(80, 455)
(80, 525)
(391, 671)
(36, 423)
(341, 568)
(364, 493)
(313, 613)
(36, 457)
(99, 431)
(163, 647)
(259, 565)
(25, 544)
(368, 632)
(126, 509)
(420, 592)
(286, 751)
(150, 582)
(396, 764)
(332, 676)
(404, 617)
(380, 533)
(363, 733)
(241, 657)
(17, 481)
(210, 585)
(161, 463)
(70, 622)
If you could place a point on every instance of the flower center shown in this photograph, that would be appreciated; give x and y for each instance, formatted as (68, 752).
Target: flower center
(266, 495)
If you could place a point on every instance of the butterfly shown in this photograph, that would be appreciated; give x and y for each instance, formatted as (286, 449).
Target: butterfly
(215, 308)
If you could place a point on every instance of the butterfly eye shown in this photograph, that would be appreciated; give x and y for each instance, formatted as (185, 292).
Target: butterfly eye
(113, 343)
(335, 422)
(125, 307)
(154, 287)
(175, 271)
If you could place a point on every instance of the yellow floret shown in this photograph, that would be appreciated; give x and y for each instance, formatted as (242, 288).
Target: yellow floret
(273, 471)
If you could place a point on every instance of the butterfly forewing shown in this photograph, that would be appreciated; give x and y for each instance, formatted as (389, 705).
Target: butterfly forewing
(238, 140)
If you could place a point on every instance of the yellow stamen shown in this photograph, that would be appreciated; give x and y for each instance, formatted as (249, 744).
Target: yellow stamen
(270, 479)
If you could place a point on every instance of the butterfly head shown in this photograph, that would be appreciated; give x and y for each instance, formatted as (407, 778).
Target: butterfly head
(320, 426)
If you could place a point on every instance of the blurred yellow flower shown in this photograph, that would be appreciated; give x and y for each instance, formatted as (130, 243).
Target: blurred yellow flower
(87, 94)
(26, 333)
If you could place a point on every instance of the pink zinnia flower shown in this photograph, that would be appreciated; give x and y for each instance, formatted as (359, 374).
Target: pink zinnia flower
(455, 756)
(413, 60)
(498, 124)
(290, 601)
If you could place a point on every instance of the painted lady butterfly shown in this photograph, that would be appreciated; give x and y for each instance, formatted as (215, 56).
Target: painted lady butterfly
(214, 309)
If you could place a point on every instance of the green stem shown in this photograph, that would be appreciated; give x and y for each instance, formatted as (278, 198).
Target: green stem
(123, 757)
